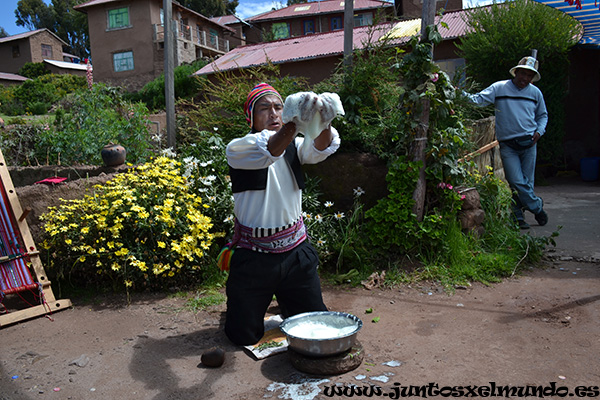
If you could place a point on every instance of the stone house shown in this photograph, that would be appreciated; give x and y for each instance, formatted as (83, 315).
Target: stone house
(127, 39)
(34, 46)
(326, 16)
(312, 18)
(238, 37)
(316, 56)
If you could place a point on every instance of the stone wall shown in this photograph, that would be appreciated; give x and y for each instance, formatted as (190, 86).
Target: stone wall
(25, 176)
(484, 132)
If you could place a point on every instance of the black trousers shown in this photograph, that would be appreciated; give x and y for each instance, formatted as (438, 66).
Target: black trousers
(255, 277)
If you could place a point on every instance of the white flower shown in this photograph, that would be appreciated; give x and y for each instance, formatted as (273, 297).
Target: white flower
(359, 191)
(169, 152)
(208, 180)
(320, 242)
(338, 215)
(216, 129)
(191, 160)
(206, 164)
(212, 198)
(328, 204)
(306, 216)
(214, 147)
(228, 219)
(318, 218)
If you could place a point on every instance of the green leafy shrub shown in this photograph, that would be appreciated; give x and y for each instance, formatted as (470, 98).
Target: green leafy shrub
(370, 105)
(335, 233)
(18, 143)
(186, 85)
(143, 229)
(38, 108)
(33, 70)
(45, 89)
(97, 117)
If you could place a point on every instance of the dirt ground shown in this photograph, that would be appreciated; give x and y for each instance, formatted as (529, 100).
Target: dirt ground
(538, 328)
(530, 330)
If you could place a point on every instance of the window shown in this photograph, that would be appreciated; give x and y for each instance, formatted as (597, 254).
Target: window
(309, 26)
(46, 51)
(281, 30)
(123, 61)
(213, 34)
(16, 51)
(363, 19)
(336, 23)
(118, 18)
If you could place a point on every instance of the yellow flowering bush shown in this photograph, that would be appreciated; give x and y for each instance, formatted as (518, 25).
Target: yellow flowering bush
(144, 228)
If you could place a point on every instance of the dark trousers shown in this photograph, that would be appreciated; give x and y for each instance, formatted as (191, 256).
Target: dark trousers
(255, 277)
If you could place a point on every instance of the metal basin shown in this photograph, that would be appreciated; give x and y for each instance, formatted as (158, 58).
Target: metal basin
(321, 333)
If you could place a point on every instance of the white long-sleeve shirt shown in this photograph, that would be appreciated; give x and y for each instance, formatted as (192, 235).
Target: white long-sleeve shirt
(519, 112)
(281, 202)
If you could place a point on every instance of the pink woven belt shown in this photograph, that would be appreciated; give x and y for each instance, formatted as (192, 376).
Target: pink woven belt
(269, 240)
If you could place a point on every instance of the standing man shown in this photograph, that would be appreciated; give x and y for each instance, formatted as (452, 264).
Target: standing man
(521, 119)
(272, 255)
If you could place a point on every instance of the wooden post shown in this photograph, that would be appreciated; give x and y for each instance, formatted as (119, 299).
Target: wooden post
(348, 33)
(420, 142)
(169, 76)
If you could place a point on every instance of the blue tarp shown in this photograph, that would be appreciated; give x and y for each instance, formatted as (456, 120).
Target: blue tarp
(587, 12)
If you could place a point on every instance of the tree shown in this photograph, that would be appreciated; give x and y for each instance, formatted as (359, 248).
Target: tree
(3, 32)
(34, 14)
(60, 18)
(33, 70)
(292, 2)
(500, 35)
(211, 8)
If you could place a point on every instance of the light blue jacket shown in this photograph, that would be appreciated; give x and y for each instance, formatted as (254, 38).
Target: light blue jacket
(519, 112)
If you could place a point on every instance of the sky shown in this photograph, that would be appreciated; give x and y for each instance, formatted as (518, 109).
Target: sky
(8, 19)
(245, 9)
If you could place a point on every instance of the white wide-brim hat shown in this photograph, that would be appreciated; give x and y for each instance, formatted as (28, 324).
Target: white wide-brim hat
(529, 63)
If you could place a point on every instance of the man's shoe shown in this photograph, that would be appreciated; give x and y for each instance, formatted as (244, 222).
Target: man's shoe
(523, 224)
(541, 218)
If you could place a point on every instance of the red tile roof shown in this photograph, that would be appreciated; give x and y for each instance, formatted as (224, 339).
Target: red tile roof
(226, 19)
(317, 7)
(326, 44)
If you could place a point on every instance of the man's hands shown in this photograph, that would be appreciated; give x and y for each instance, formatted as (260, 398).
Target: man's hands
(536, 137)
(301, 108)
(332, 106)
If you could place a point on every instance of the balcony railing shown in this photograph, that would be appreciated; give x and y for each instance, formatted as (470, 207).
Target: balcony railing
(197, 36)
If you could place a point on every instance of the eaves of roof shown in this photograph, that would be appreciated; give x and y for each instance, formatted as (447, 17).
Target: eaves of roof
(92, 3)
(328, 44)
(5, 76)
(25, 35)
(67, 65)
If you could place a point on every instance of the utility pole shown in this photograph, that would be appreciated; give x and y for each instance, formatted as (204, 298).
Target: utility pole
(348, 31)
(420, 142)
(169, 67)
